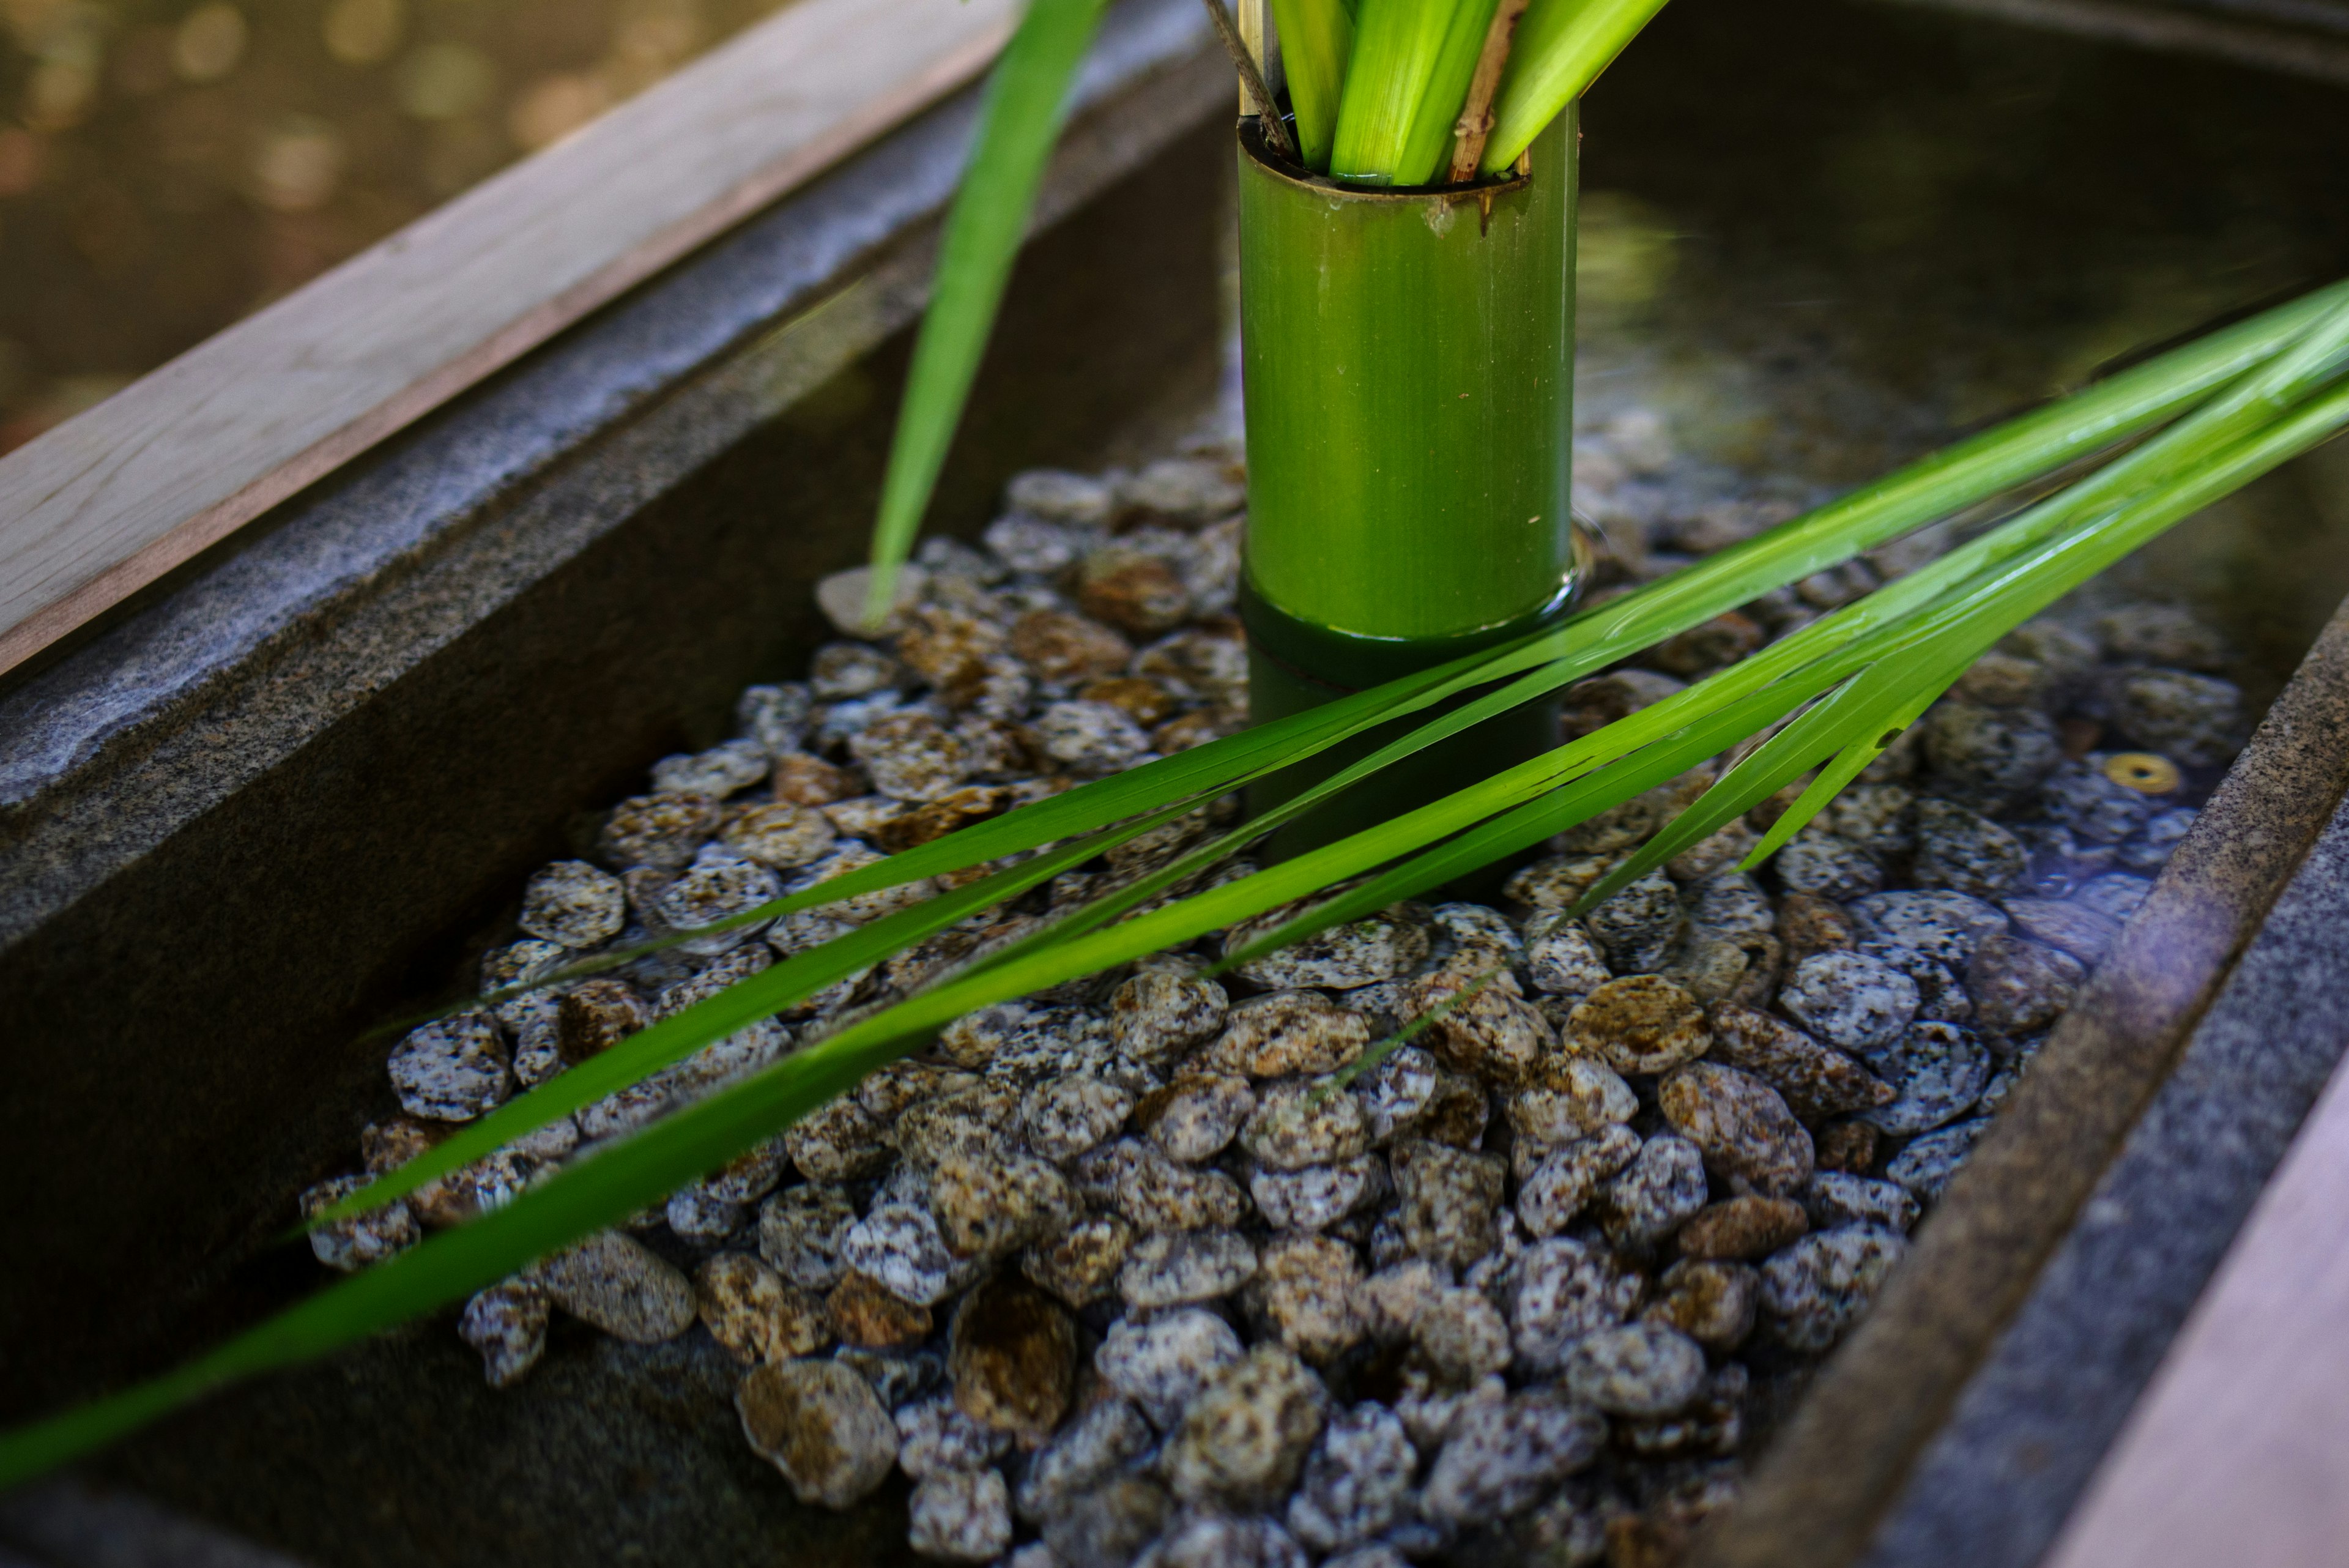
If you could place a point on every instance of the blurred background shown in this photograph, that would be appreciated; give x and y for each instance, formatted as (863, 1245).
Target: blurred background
(167, 166)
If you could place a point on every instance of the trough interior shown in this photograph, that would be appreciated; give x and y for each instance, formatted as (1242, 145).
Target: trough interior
(1817, 247)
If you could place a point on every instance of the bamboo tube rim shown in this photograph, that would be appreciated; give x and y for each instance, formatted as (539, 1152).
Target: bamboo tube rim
(1253, 142)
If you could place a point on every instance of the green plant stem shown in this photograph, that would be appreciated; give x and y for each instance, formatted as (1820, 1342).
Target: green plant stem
(1316, 38)
(1561, 47)
(1396, 46)
(1427, 147)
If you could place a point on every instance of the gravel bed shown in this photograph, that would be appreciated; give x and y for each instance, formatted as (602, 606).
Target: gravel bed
(1103, 1274)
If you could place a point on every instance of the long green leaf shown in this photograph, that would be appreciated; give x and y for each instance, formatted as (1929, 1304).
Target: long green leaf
(1562, 46)
(1397, 43)
(1315, 39)
(1020, 120)
(1427, 144)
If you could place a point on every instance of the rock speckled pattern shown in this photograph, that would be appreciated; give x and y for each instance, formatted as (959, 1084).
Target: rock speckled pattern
(1133, 1270)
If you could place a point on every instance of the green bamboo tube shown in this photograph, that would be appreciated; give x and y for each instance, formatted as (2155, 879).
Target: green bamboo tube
(1409, 359)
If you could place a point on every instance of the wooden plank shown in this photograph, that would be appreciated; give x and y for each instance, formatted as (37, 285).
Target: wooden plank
(105, 503)
(2238, 1451)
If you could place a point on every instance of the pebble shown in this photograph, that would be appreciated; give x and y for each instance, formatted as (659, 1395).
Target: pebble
(1080, 1264)
(1944, 926)
(1561, 957)
(1185, 490)
(1848, 1145)
(1104, 1438)
(1492, 1033)
(1927, 1163)
(1744, 1132)
(987, 1206)
(1816, 1081)
(1556, 1190)
(1711, 1300)
(1504, 1457)
(780, 835)
(934, 1437)
(363, 1239)
(2196, 721)
(1245, 1435)
(2073, 928)
(661, 831)
(1299, 1121)
(1990, 754)
(1637, 926)
(1304, 1291)
(1637, 1369)
(1356, 1481)
(718, 886)
(1286, 1034)
(1449, 1198)
(453, 1070)
(2096, 808)
(573, 904)
(1745, 1227)
(901, 1247)
(820, 1425)
(718, 772)
(620, 1285)
(1207, 1540)
(1065, 648)
(1808, 924)
(2019, 985)
(960, 1516)
(1849, 999)
(800, 1232)
(1641, 1023)
(1183, 1267)
(776, 716)
(1106, 1528)
(1659, 1189)
(1937, 1071)
(1318, 1196)
(2115, 897)
(753, 1314)
(1013, 1357)
(1819, 1287)
(1359, 952)
(1573, 1098)
(1834, 1198)
(1160, 1194)
(1195, 1116)
(1940, 997)
(1964, 850)
(1162, 1363)
(1827, 867)
(1063, 1117)
(1158, 1015)
(2150, 848)
(1564, 1290)
(867, 1316)
(507, 1323)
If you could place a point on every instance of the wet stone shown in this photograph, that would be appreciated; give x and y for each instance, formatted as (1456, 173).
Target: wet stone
(573, 904)
(1299, 1121)
(1013, 1358)
(2115, 896)
(988, 1205)
(1990, 754)
(1356, 1482)
(1637, 926)
(1637, 1369)
(1194, 1118)
(820, 1425)
(1742, 1228)
(1944, 926)
(900, 1247)
(1808, 924)
(1161, 1363)
(800, 1232)
(1185, 1267)
(1448, 1197)
(1158, 1015)
(451, 1070)
(2149, 849)
(1732, 901)
(1712, 1302)
(960, 1516)
(1834, 1199)
(1503, 1458)
(1878, 817)
(658, 830)
(1739, 1124)
(1641, 1023)
(752, 1312)
(1103, 1438)
(716, 772)
(2195, 721)
(1562, 959)
(1849, 999)
(1359, 952)
(1245, 1435)
(1964, 850)
(1107, 1527)
(1816, 1081)
(2095, 808)
(363, 1239)
(1820, 1286)
(1556, 1190)
(1079, 1263)
(1937, 1071)
(1284, 1034)
(1927, 1163)
(1564, 1290)
(507, 1323)
(1304, 1291)
(1659, 1190)
(2019, 986)
(1318, 1196)
(1827, 867)
(704, 1221)
(620, 1285)
(868, 1315)
(1940, 997)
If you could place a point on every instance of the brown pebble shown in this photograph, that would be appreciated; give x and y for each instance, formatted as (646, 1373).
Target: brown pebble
(865, 1314)
(820, 1425)
(1062, 647)
(1816, 1081)
(1751, 1226)
(1847, 1146)
(804, 780)
(1013, 1358)
(937, 818)
(1809, 924)
(1145, 702)
(753, 1314)
(1641, 1023)
(596, 1015)
(1140, 595)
